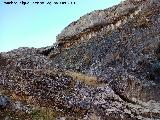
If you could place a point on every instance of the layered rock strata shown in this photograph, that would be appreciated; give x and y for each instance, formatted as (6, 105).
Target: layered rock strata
(104, 66)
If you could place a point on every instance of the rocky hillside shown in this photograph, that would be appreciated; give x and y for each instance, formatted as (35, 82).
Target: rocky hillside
(104, 66)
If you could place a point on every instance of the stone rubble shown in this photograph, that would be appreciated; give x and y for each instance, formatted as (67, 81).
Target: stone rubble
(104, 66)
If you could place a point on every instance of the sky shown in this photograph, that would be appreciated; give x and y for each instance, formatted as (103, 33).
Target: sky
(37, 25)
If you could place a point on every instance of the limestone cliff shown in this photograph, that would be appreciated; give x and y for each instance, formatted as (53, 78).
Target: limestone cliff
(104, 66)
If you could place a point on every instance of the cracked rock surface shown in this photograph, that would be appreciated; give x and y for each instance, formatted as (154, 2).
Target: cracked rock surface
(104, 66)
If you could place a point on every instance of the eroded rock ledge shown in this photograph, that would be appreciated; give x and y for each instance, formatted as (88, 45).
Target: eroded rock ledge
(104, 66)
(101, 22)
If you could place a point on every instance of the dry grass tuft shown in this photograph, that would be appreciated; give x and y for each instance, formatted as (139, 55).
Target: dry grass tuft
(87, 79)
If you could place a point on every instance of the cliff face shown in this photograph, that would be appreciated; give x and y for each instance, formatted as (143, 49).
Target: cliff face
(106, 65)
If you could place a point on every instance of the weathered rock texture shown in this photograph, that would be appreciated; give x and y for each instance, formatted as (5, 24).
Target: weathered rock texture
(104, 66)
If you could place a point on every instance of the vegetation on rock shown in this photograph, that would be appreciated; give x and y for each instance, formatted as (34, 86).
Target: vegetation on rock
(104, 66)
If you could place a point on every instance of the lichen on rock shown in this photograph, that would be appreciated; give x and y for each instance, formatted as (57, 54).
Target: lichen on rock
(104, 66)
